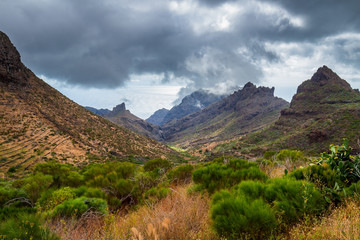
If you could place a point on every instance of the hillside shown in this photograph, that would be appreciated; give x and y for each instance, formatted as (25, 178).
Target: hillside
(194, 102)
(158, 116)
(246, 110)
(38, 123)
(324, 110)
(123, 117)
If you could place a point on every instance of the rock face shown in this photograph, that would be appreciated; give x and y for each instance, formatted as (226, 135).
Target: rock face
(192, 103)
(158, 117)
(324, 110)
(38, 123)
(246, 110)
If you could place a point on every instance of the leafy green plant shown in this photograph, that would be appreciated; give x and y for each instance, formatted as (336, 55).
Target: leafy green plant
(340, 160)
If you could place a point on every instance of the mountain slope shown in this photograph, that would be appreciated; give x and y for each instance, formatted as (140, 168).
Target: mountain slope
(158, 117)
(246, 110)
(38, 123)
(119, 115)
(194, 102)
(324, 110)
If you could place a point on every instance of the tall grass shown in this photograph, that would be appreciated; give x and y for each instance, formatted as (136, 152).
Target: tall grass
(178, 216)
(343, 223)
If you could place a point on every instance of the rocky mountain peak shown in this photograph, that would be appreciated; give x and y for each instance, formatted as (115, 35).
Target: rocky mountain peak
(324, 73)
(119, 109)
(10, 61)
(249, 85)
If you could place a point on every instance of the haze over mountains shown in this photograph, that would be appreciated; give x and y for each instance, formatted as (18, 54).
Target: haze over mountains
(38, 123)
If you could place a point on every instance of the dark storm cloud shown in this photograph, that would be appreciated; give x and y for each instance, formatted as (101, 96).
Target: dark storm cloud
(101, 43)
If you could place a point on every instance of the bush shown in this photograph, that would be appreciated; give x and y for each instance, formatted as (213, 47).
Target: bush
(25, 227)
(290, 155)
(160, 165)
(236, 217)
(258, 209)
(90, 192)
(63, 174)
(78, 206)
(181, 174)
(8, 193)
(51, 199)
(321, 175)
(157, 193)
(218, 175)
(340, 160)
(36, 184)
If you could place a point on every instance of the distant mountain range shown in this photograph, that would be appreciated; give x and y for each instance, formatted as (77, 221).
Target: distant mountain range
(38, 123)
(194, 102)
(244, 111)
(204, 117)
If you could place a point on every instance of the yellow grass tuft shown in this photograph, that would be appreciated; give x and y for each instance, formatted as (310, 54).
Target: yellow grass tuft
(178, 216)
(342, 224)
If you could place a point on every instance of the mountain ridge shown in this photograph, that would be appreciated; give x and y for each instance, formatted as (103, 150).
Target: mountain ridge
(38, 123)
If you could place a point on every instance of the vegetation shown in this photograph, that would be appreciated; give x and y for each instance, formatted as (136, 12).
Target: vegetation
(231, 198)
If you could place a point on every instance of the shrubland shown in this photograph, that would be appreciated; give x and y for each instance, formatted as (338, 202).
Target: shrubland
(227, 198)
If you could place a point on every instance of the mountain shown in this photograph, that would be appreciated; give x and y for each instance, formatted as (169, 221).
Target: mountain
(38, 123)
(100, 112)
(194, 102)
(246, 110)
(158, 116)
(324, 110)
(123, 117)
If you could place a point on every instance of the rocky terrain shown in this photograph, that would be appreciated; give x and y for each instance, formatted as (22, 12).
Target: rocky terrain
(324, 110)
(38, 123)
(194, 102)
(246, 110)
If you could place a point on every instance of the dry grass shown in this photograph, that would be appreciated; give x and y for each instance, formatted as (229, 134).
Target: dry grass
(178, 216)
(342, 223)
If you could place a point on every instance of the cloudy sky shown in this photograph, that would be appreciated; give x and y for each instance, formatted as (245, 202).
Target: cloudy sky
(149, 54)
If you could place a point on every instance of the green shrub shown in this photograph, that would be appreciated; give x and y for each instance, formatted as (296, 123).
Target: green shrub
(321, 175)
(36, 184)
(78, 206)
(158, 164)
(62, 174)
(269, 154)
(256, 209)
(13, 211)
(340, 160)
(157, 193)
(8, 193)
(181, 174)
(51, 199)
(290, 155)
(293, 199)
(90, 192)
(236, 217)
(218, 175)
(25, 227)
